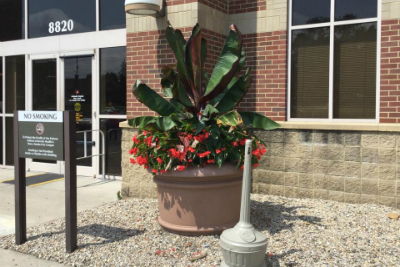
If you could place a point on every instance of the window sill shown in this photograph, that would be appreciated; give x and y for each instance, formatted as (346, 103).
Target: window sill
(342, 126)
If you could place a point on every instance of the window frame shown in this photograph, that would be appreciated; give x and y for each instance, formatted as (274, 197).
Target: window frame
(332, 24)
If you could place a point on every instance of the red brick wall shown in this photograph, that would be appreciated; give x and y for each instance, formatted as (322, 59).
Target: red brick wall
(242, 6)
(390, 72)
(267, 57)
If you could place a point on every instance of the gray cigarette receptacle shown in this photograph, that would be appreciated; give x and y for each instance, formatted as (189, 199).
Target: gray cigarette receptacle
(242, 245)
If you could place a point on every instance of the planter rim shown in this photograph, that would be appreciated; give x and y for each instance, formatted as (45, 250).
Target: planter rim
(209, 170)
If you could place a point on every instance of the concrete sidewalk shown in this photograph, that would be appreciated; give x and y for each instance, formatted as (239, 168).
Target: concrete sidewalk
(45, 202)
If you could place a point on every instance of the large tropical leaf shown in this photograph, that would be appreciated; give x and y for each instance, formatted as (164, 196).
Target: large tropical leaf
(231, 118)
(141, 122)
(257, 121)
(152, 100)
(174, 88)
(227, 65)
(234, 94)
(165, 123)
(223, 72)
(177, 43)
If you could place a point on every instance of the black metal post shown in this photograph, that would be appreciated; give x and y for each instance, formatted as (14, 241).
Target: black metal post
(70, 181)
(20, 188)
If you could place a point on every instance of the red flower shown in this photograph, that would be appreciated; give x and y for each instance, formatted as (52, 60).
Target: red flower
(163, 171)
(191, 149)
(242, 142)
(201, 137)
(135, 140)
(142, 160)
(205, 154)
(218, 151)
(210, 161)
(180, 168)
(132, 160)
(148, 141)
(174, 153)
(159, 160)
(235, 143)
(133, 151)
(154, 171)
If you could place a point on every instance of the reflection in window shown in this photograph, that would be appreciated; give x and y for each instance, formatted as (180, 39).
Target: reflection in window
(113, 134)
(15, 83)
(11, 20)
(355, 71)
(113, 81)
(310, 73)
(1, 85)
(112, 14)
(50, 17)
(9, 141)
(44, 83)
(1, 140)
(355, 9)
(310, 11)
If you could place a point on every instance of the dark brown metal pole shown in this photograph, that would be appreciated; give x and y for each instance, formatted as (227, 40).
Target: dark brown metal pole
(70, 181)
(20, 188)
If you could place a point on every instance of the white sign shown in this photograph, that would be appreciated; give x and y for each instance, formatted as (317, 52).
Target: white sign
(40, 116)
(61, 26)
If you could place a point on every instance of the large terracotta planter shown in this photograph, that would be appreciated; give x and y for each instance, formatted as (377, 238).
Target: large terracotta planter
(199, 201)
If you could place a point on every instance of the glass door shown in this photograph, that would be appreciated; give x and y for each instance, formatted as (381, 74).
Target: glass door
(45, 95)
(78, 95)
(66, 83)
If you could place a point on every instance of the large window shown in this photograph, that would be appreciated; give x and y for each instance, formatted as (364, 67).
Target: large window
(11, 20)
(49, 17)
(333, 72)
(112, 14)
(12, 97)
(112, 104)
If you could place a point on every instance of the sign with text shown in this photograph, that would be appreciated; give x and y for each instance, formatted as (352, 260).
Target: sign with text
(41, 135)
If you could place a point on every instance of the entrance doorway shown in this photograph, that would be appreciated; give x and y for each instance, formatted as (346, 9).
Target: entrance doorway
(66, 82)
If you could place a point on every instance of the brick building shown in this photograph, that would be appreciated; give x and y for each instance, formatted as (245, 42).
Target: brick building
(327, 70)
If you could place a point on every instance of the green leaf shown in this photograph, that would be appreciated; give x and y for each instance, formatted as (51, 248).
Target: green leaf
(231, 118)
(223, 72)
(227, 65)
(141, 122)
(234, 94)
(165, 123)
(258, 121)
(152, 100)
(209, 110)
(177, 43)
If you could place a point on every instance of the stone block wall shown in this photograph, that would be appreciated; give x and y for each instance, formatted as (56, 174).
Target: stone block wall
(137, 182)
(349, 166)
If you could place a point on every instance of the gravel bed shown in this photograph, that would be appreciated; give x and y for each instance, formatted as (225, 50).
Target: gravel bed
(301, 232)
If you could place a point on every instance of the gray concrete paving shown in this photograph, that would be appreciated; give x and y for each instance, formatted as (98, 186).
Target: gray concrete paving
(45, 202)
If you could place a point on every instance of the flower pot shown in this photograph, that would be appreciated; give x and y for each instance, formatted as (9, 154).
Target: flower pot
(199, 201)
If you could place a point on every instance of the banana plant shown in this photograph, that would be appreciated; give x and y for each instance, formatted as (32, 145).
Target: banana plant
(198, 98)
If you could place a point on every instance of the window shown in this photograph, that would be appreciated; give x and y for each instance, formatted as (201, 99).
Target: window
(49, 17)
(333, 59)
(113, 81)
(11, 20)
(112, 14)
(12, 97)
